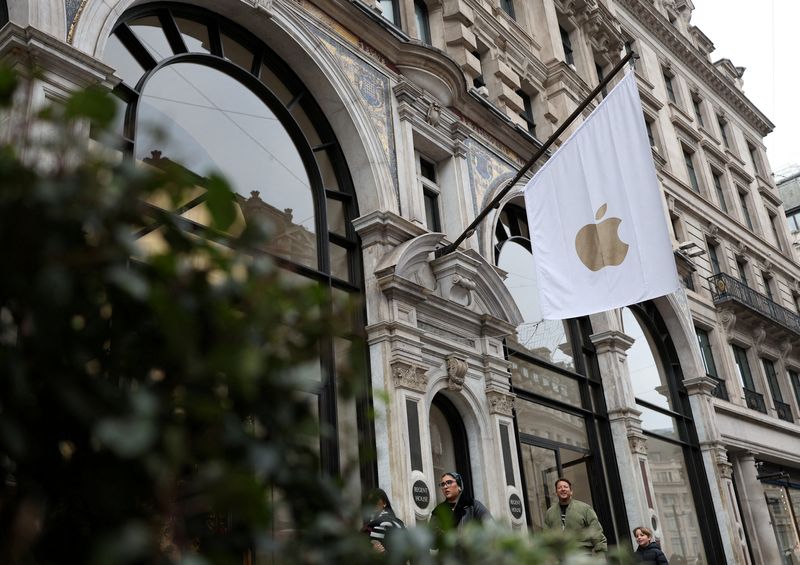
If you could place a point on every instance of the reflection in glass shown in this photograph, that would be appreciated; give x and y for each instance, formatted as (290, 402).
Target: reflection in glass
(195, 35)
(207, 121)
(782, 522)
(541, 472)
(149, 32)
(125, 65)
(539, 380)
(680, 531)
(548, 423)
(658, 423)
(545, 339)
(647, 376)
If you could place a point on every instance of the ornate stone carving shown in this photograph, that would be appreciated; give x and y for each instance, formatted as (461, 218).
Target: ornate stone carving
(409, 376)
(434, 114)
(638, 443)
(728, 319)
(758, 336)
(265, 6)
(456, 371)
(500, 403)
(785, 349)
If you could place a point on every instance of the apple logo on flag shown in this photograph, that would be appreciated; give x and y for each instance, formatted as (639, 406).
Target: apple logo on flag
(598, 245)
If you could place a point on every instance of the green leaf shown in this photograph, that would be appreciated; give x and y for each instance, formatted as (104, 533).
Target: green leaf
(8, 85)
(220, 202)
(93, 104)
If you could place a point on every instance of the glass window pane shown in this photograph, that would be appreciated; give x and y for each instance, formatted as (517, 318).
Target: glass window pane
(275, 85)
(195, 35)
(207, 121)
(545, 339)
(647, 375)
(339, 262)
(326, 170)
(539, 380)
(125, 65)
(658, 423)
(442, 450)
(675, 505)
(548, 423)
(150, 33)
(310, 131)
(336, 217)
(541, 472)
(236, 52)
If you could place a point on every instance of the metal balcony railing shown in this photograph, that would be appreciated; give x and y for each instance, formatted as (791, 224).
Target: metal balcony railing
(724, 287)
(720, 391)
(784, 411)
(755, 401)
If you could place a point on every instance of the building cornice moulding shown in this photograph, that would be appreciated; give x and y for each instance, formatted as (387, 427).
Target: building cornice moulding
(687, 53)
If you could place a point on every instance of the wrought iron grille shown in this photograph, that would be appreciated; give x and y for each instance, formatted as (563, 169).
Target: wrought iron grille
(724, 287)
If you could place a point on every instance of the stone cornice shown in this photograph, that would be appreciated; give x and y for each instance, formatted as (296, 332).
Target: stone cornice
(687, 53)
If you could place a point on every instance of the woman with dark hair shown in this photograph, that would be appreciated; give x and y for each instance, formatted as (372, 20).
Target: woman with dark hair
(649, 551)
(458, 508)
(381, 521)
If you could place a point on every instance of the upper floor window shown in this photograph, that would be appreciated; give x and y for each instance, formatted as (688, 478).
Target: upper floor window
(478, 81)
(772, 380)
(423, 22)
(717, 176)
(713, 257)
(705, 353)
(794, 377)
(698, 110)
(601, 75)
(566, 43)
(754, 158)
(768, 282)
(741, 268)
(688, 159)
(508, 7)
(527, 112)
(743, 367)
(776, 229)
(743, 201)
(390, 10)
(430, 192)
(669, 84)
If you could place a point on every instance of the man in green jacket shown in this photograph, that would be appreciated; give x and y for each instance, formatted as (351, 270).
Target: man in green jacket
(576, 517)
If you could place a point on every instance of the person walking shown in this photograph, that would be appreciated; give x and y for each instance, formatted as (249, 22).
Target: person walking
(576, 517)
(458, 508)
(382, 522)
(648, 550)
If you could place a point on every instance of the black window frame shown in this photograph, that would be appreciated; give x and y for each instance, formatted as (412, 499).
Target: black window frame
(422, 18)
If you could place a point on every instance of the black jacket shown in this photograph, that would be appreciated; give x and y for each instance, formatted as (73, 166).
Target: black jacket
(445, 516)
(651, 553)
(380, 525)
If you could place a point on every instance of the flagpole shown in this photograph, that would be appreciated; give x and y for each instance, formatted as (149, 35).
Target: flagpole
(441, 251)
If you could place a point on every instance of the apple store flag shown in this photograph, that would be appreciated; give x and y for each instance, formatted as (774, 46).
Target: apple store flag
(600, 238)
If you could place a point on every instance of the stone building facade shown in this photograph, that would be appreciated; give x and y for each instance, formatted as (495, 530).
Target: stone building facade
(371, 132)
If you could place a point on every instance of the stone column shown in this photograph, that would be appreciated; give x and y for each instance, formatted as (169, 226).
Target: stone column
(756, 514)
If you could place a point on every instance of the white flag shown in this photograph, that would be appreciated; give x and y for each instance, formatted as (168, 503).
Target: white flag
(600, 239)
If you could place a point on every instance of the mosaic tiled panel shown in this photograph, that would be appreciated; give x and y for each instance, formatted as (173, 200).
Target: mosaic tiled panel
(72, 7)
(486, 174)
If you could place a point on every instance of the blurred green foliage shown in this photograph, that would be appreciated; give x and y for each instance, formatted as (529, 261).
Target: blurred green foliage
(152, 408)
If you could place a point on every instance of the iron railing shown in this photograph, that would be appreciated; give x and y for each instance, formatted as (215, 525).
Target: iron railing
(755, 401)
(724, 287)
(719, 391)
(784, 411)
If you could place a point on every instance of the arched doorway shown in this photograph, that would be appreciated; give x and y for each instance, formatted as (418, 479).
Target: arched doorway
(449, 443)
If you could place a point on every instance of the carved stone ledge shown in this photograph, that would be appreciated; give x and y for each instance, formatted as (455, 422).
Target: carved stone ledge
(637, 442)
(500, 403)
(409, 376)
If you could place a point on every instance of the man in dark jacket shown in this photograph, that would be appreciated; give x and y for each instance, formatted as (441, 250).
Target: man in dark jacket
(576, 517)
(649, 551)
(458, 507)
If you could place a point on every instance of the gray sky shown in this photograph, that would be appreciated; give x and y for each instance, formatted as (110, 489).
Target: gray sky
(763, 37)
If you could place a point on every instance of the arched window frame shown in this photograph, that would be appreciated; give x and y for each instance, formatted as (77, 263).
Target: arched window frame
(130, 97)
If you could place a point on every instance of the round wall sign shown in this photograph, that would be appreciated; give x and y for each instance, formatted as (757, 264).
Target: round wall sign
(515, 505)
(422, 496)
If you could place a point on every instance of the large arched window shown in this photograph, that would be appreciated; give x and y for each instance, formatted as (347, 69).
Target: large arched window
(680, 493)
(560, 415)
(202, 92)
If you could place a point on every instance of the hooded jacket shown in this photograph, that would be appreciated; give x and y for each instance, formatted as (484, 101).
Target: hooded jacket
(651, 553)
